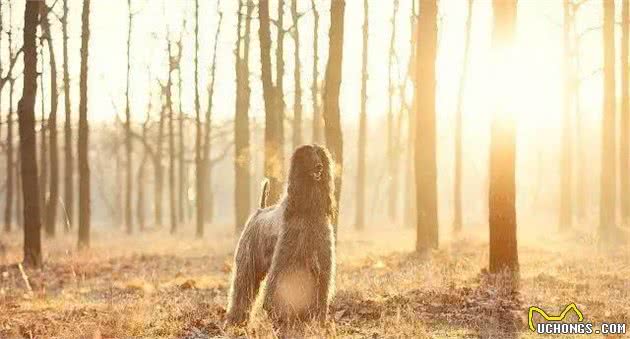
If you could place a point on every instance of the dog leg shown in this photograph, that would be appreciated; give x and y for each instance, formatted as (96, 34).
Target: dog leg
(244, 287)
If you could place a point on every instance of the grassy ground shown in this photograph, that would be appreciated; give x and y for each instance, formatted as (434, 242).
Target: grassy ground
(156, 286)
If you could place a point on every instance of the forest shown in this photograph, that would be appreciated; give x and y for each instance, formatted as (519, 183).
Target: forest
(217, 169)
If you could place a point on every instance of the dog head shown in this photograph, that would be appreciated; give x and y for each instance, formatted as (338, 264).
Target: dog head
(311, 180)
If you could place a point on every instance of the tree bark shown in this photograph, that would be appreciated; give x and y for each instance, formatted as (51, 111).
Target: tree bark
(53, 197)
(273, 144)
(608, 173)
(624, 167)
(332, 119)
(242, 157)
(171, 142)
(84, 166)
(425, 160)
(11, 167)
(297, 77)
(360, 216)
(317, 118)
(275, 192)
(566, 206)
(68, 150)
(457, 190)
(502, 183)
(26, 116)
(43, 141)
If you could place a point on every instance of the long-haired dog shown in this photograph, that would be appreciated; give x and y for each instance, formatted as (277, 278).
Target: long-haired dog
(292, 245)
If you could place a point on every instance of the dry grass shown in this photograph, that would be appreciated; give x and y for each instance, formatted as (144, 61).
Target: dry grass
(157, 286)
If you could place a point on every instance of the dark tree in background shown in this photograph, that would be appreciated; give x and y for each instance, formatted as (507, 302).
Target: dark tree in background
(242, 153)
(128, 144)
(68, 188)
(10, 167)
(425, 160)
(28, 161)
(297, 78)
(608, 175)
(360, 211)
(502, 181)
(273, 144)
(53, 196)
(332, 119)
(457, 221)
(84, 166)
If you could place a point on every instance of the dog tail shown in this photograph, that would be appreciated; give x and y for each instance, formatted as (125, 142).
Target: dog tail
(265, 193)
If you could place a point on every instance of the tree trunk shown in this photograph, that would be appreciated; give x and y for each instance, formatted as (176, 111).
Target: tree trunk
(608, 181)
(502, 183)
(53, 197)
(26, 116)
(279, 96)
(128, 144)
(425, 161)
(171, 142)
(242, 157)
(140, 194)
(332, 119)
(457, 190)
(624, 166)
(11, 168)
(84, 166)
(360, 216)
(273, 145)
(199, 165)
(297, 77)
(159, 172)
(182, 166)
(566, 210)
(43, 152)
(68, 150)
(392, 165)
(317, 118)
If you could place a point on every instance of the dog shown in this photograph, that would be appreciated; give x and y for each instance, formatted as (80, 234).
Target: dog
(291, 244)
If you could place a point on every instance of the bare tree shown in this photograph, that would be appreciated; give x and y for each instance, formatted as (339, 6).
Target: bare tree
(360, 216)
(297, 78)
(457, 222)
(317, 118)
(43, 141)
(279, 94)
(625, 115)
(242, 157)
(128, 144)
(392, 146)
(332, 119)
(26, 115)
(11, 168)
(84, 166)
(53, 195)
(68, 150)
(425, 161)
(273, 144)
(502, 183)
(171, 139)
(566, 210)
(608, 173)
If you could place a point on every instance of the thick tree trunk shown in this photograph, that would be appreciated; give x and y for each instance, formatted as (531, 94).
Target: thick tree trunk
(242, 157)
(43, 140)
(128, 143)
(84, 166)
(273, 145)
(332, 119)
(26, 115)
(317, 118)
(566, 181)
(392, 145)
(425, 161)
(53, 196)
(624, 166)
(68, 169)
(502, 184)
(608, 173)
(275, 192)
(457, 190)
(297, 78)
(360, 210)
